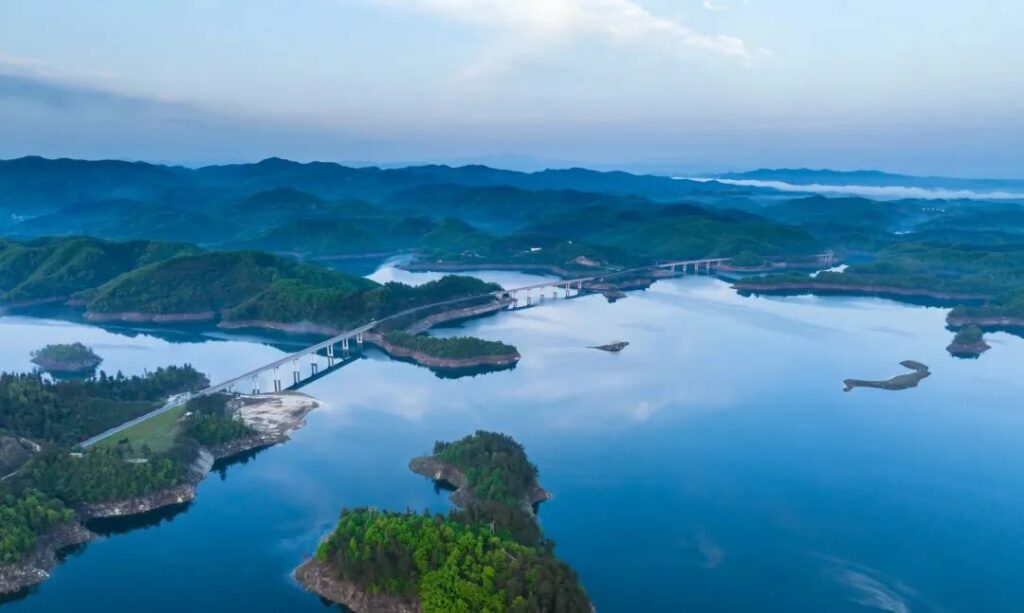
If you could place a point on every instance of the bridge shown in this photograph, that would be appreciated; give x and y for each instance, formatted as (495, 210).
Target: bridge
(338, 348)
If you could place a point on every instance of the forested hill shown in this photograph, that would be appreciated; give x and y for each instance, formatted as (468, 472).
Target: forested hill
(47, 269)
(148, 278)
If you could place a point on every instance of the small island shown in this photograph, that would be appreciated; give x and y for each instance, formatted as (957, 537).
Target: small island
(968, 343)
(451, 353)
(69, 359)
(899, 382)
(615, 347)
(488, 556)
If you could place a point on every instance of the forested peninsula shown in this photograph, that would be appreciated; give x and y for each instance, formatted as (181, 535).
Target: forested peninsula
(488, 556)
(50, 487)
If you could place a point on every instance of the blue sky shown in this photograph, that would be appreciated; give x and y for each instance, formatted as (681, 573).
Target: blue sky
(668, 85)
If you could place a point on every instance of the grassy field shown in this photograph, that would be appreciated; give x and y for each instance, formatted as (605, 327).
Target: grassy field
(158, 433)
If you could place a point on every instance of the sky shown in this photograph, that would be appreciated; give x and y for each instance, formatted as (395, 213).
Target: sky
(675, 86)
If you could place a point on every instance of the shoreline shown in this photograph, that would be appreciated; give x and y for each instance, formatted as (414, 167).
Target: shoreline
(435, 266)
(433, 362)
(269, 414)
(36, 567)
(855, 289)
(316, 577)
(438, 470)
(985, 321)
(156, 318)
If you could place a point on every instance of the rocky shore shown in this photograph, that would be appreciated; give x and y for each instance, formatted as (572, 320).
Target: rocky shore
(304, 327)
(317, 577)
(817, 287)
(433, 468)
(156, 318)
(451, 315)
(985, 321)
(436, 266)
(496, 361)
(36, 568)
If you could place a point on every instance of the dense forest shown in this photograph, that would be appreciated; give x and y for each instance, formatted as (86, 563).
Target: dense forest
(450, 565)
(67, 412)
(480, 558)
(100, 474)
(453, 347)
(296, 301)
(495, 465)
(53, 479)
(23, 518)
(210, 422)
(982, 280)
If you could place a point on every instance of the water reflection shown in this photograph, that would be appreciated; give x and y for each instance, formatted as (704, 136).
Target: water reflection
(719, 445)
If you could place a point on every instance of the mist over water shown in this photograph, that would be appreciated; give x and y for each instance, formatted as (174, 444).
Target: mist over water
(713, 465)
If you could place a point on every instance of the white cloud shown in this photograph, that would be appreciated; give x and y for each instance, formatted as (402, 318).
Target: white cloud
(529, 27)
(711, 6)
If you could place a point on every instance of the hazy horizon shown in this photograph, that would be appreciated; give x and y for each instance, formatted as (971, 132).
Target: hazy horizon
(692, 86)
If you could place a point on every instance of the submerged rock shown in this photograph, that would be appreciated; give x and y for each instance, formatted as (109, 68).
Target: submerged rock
(612, 347)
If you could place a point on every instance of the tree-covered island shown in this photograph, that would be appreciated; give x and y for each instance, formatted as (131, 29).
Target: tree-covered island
(72, 358)
(455, 352)
(489, 556)
(969, 342)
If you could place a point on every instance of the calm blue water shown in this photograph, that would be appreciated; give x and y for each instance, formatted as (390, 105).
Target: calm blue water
(714, 465)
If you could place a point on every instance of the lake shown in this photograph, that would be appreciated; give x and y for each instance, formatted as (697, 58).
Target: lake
(713, 465)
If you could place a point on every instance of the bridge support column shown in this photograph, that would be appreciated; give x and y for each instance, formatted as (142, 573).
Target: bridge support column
(312, 367)
(255, 385)
(344, 345)
(277, 381)
(330, 351)
(296, 375)
(359, 340)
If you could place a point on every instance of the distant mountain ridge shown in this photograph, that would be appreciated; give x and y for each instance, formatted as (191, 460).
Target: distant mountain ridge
(33, 185)
(875, 178)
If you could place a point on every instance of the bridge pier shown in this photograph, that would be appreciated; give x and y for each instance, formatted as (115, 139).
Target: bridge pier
(330, 351)
(344, 346)
(255, 385)
(359, 340)
(296, 375)
(312, 368)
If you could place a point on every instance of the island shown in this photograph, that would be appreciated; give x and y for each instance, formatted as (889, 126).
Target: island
(446, 353)
(899, 382)
(487, 556)
(969, 342)
(615, 347)
(68, 359)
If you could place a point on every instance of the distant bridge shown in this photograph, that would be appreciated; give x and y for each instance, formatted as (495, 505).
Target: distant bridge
(512, 299)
